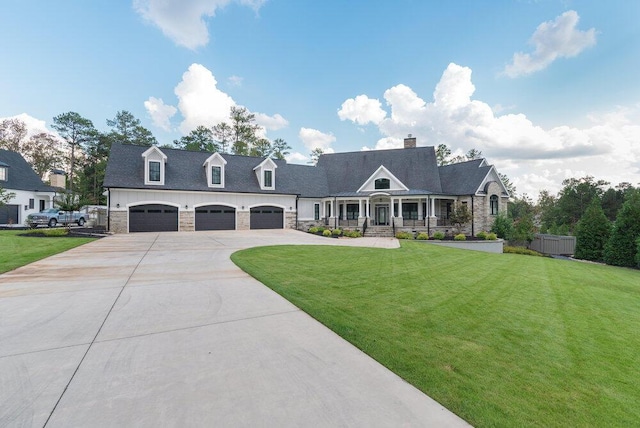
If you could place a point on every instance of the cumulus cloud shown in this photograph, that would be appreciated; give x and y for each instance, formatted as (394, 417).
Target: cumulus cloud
(160, 112)
(34, 126)
(312, 139)
(297, 157)
(533, 157)
(362, 110)
(184, 21)
(552, 40)
(271, 123)
(235, 80)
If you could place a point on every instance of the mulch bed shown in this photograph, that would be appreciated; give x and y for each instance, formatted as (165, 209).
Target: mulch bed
(78, 232)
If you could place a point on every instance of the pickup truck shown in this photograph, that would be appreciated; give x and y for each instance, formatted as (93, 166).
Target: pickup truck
(52, 216)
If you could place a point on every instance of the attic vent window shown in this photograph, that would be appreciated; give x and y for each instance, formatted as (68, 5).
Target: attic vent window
(3, 173)
(382, 183)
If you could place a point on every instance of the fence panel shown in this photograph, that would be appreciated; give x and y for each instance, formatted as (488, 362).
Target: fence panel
(554, 245)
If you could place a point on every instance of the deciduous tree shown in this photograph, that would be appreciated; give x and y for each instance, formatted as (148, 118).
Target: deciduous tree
(12, 134)
(43, 152)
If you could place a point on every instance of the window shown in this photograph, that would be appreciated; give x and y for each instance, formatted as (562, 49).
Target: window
(154, 171)
(3, 173)
(410, 211)
(493, 202)
(316, 211)
(353, 210)
(216, 175)
(268, 179)
(32, 204)
(382, 183)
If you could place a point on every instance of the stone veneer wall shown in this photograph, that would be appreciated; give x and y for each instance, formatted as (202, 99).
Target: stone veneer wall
(289, 220)
(304, 225)
(243, 219)
(186, 221)
(118, 222)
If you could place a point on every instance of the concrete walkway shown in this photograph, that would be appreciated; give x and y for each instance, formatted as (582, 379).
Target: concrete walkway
(162, 329)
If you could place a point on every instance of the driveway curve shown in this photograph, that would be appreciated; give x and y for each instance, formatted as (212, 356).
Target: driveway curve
(162, 329)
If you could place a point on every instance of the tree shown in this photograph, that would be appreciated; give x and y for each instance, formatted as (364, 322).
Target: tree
(592, 233)
(613, 199)
(546, 210)
(127, 129)
(223, 135)
(12, 134)
(5, 196)
(523, 230)
(76, 131)
(473, 154)
(508, 184)
(93, 170)
(68, 202)
(315, 155)
(261, 148)
(575, 197)
(244, 130)
(280, 148)
(199, 139)
(460, 216)
(443, 153)
(621, 247)
(502, 226)
(43, 153)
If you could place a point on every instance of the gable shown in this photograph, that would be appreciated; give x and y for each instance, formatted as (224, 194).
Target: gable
(492, 177)
(380, 176)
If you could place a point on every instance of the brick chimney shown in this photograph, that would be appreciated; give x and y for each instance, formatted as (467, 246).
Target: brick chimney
(409, 142)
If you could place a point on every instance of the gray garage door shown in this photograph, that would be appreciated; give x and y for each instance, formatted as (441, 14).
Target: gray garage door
(9, 214)
(267, 218)
(153, 218)
(215, 217)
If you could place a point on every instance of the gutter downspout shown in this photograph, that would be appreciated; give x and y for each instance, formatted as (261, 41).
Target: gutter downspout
(297, 197)
(429, 215)
(473, 219)
(335, 212)
(109, 210)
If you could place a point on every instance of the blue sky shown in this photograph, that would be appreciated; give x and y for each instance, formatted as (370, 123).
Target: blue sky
(545, 89)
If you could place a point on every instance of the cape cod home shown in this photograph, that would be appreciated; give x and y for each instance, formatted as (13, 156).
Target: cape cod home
(31, 194)
(154, 189)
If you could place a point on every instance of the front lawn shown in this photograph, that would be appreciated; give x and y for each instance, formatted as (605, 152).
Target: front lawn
(499, 339)
(16, 251)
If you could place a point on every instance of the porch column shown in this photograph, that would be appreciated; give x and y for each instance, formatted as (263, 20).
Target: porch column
(368, 208)
(392, 214)
(360, 208)
(421, 215)
(432, 209)
(400, 207)
(344, 210)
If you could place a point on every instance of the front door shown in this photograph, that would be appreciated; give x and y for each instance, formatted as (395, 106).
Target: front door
(382, 215)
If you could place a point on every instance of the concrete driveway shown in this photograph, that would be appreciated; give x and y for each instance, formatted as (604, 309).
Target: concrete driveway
(162, 329)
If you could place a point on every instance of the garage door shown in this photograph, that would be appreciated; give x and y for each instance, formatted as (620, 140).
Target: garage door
(153, 218)
(9, 214)
(215, 217)
(267, 218)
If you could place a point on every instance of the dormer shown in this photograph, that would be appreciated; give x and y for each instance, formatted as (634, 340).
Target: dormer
(382, 180)
(154, 166)
(266, 174)
(214, 168)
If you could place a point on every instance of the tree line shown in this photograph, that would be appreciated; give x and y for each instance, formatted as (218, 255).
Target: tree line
(82, 151)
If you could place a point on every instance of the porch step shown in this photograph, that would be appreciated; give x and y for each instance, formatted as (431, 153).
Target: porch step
(379, 232)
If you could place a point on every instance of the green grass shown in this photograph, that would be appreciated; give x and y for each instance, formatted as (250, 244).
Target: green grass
(499, 339)
(16, 251)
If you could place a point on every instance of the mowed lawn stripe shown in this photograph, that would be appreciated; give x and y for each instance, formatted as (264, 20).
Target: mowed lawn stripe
(500, 339)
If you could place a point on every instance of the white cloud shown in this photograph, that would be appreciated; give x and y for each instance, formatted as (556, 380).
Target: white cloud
(200, 101)
(271, 123)
(183, 21)
(297, 157)
(235, 80)
(160, 112)
(34, 126)
(534, 158)
(362, 110)
(552, 40)
(312, 139)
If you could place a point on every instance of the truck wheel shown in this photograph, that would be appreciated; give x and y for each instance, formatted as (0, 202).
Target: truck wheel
(81, 222)
(53, 222)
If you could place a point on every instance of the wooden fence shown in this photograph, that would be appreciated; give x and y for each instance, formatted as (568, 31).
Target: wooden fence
(554, 245)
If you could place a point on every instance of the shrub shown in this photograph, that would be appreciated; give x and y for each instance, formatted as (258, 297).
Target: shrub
(47, 232)
(326, 232)
(404, 235)
(422, 236)
(336, 232)
(314, 229)
(502, 226)
(438, 235)
(592, 233)
(491, 237)
(481, 235)
(521, 250)
(460, 237)
(356, 234)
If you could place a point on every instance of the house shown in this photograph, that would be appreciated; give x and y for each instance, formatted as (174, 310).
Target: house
(153, 189)
(31, 194)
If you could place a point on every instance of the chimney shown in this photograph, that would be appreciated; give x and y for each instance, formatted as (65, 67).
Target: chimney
(57, 178)
(409, 142)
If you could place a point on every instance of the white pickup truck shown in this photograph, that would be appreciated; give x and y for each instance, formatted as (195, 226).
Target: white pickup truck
(52, 217)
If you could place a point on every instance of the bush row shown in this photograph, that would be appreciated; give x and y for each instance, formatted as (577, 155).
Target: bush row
(320, 230)
(440, 235)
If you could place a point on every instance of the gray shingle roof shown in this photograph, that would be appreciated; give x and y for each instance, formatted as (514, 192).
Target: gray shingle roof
(185, 171)
(415, 167)
(20, 175)
(336, 174)
(463, 178)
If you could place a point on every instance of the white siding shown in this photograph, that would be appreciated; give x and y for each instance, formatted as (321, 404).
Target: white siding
(306, 208)
(22, 199)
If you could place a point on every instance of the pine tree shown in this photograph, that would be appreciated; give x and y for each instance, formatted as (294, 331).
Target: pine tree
(622, 246)
(592, 233)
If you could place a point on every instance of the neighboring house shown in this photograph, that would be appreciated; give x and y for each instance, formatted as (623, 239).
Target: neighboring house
(31, 194)
(153, 189)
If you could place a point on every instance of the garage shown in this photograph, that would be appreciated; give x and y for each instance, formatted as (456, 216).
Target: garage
(267, 217)
(153, 218)
(9, 214)
(215, 217)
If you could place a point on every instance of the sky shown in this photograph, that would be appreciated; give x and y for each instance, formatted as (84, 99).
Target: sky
(545, 89)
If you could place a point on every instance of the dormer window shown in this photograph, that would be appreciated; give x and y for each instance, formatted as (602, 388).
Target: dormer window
(266, 174)
(3, 173)
(214, 168)
(382, 183)
(154, 166)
